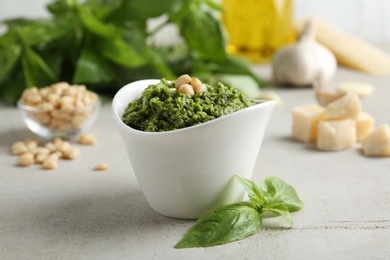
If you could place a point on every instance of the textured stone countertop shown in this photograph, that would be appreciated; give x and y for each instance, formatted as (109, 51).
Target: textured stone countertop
(74, 212)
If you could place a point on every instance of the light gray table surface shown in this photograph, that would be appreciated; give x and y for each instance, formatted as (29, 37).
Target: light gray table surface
(74, 212)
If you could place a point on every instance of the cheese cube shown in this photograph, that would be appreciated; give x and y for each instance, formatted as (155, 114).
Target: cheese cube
(334, 135)
(364, 125)
(347, 106)
(377, 143)
(305, 121)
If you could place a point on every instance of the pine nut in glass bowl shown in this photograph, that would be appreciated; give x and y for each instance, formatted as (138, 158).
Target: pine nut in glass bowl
(186, 172)
(59, 110)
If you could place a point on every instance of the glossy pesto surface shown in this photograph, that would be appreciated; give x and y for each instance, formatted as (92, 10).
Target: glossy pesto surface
(162, 108)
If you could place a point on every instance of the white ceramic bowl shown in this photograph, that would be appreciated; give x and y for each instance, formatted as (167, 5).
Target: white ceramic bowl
(186, 172)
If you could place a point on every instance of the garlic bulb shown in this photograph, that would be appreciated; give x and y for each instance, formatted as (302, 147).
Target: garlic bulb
(304, 62)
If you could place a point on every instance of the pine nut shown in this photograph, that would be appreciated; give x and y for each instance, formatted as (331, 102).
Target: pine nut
(19, 148)
(183, 79)
(186, 89)
(26, 159)
(101, 167)
(87, 139)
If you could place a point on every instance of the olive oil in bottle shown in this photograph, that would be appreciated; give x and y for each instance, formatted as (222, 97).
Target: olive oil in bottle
(257, 28)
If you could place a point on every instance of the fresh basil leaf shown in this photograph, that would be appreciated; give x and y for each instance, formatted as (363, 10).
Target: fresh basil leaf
(202, 32)
(9, 56)
(238, 66)
(281, 210)
(13, 86)
(92, 68)
(136, 37)
(57, 7)
(253, 191)
(231, 66)
(223, 225)
(234, 65)
(160, 64)
(213, 5)
(14, 23)
(141, 10)
(36, 71)
(120, 52)
(73, 42)
(34, 32)
(279, 192)
(95, 26)
(243, 83)
(126, 75)
(65, 14)
(53, 57)
(102, 8)
(200, 66)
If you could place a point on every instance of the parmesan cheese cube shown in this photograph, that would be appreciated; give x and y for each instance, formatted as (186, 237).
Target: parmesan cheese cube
(347, 106)
(377, 143)
(334, 135)
(364, 125)
(305, 121)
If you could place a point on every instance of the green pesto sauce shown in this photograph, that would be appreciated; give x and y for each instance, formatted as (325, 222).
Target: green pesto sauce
(163, 108)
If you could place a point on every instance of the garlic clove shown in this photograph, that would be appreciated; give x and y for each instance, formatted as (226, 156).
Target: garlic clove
(325, 97)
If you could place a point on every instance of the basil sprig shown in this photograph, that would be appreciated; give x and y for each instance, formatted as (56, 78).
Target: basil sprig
(237, 221)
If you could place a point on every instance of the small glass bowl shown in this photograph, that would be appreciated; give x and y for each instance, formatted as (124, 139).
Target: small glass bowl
(59, 123)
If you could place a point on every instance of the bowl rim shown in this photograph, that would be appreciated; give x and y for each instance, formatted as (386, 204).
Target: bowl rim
(29, 108)
(117, 118)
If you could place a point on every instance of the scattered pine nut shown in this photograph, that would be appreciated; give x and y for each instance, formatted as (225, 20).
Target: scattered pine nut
(50, 163)
(48, 154)
(26, 159)
(101, 167)
(64, 147)
(57, 141)
(40, 158)
(50, 146)
(72, 153)
(19, 148)
(87, 139)
(55, 156)
(31, 144)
